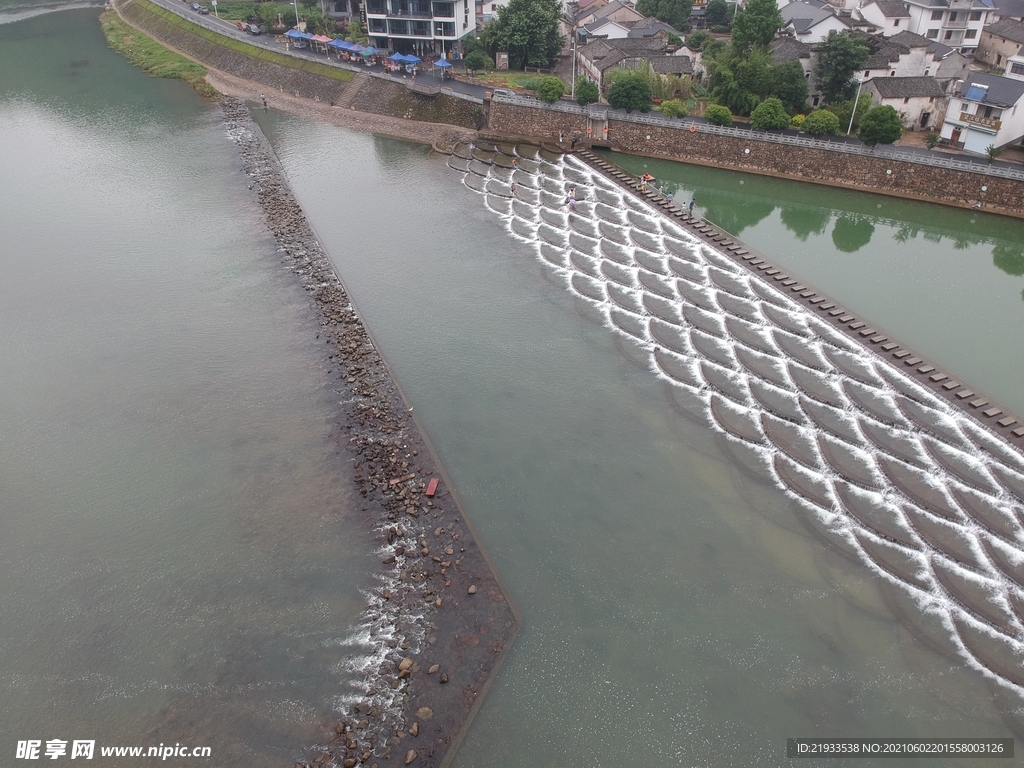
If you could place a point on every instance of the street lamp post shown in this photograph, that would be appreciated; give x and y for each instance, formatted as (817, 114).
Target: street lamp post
(853, 112)
(572, 88)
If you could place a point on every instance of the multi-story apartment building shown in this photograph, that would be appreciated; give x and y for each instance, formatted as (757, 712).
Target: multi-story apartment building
(956, 23)
(419, 26)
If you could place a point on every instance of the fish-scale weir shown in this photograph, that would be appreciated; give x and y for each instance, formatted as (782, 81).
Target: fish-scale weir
(888, 456)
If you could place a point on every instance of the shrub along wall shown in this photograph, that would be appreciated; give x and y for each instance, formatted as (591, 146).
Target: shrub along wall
(882, 175)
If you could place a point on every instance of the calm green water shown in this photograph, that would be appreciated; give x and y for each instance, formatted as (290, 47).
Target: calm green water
(174, 544)
(177, 562)
(946, 281)
(678, 611)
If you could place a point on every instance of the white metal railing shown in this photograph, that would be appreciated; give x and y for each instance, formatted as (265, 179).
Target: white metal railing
(895, 153)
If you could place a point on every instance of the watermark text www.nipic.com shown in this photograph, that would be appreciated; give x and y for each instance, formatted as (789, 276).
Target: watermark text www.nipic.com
(54, 749)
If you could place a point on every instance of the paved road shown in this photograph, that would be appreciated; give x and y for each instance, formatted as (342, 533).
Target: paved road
(228, 29)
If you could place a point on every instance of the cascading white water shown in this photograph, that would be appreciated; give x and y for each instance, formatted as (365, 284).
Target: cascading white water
(923, 495)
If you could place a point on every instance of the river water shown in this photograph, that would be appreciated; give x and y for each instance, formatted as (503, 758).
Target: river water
(175, 542)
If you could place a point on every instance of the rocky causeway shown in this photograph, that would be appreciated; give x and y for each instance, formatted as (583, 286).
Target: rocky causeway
(440, 622)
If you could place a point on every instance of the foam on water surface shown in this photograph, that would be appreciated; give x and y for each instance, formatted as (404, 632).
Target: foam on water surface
(925, 497)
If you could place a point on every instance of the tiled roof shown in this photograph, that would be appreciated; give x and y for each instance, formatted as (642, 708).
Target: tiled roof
(1001, 91)
(892, 9)
(910, 40)
(902, 87)
(802, 15)
(1008, 28)
(789, 49)
(671, 65)
(650, 26)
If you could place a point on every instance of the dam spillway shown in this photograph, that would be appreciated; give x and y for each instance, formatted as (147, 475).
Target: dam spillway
(878, 450)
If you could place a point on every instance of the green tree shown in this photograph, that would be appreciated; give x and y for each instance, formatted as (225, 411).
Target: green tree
(821, 122)
(843, 109)
(675, 13)
(769, 115)
(839, 56)
(880, 125)
(717, 114)
(528, 30)
(550, 90)
(736, 82)
(356, 33)
(931, 139)
(477, 60)
(789, 85)
(673, 108)
(630, 91)
(756, 24)
(698, 40)
(586, 91)
(717, 13)
(993, 152)
(267, 13)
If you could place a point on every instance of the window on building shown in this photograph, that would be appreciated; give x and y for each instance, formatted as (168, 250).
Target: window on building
(867, 73)
(341, 6)
(892, 73)
(936, 15)
(948, 35)
(970, 34)
(906, 99)
(999, 60)
(1017, 69)
(932, 34)
(895, 22)
(975, 16)
(814, 103)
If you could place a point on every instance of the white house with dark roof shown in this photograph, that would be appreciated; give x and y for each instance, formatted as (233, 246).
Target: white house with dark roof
(955, 23)
(918, 100)
(810, 21)
(988, 110)
(910, 55)
(606, 28)
(999, 42)
(888, 16)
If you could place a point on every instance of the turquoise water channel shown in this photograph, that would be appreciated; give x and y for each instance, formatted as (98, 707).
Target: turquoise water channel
(176, 546)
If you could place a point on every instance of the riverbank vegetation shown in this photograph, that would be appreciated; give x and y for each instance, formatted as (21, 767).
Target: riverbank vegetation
(149, 55)
(313, 67)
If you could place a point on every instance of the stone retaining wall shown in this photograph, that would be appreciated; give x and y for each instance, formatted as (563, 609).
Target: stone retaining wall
(882, 175)
(392, 98)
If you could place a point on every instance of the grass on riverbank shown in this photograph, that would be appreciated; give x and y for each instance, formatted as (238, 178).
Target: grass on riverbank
(313, 67)
(147, 54)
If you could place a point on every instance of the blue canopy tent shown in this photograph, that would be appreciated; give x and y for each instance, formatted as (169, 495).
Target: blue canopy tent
(444, 65)
(397, 57)
(298, 39)
(409, 58)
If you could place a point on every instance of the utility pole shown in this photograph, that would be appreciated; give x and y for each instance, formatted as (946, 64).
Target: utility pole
(854, 112)
(572, 88)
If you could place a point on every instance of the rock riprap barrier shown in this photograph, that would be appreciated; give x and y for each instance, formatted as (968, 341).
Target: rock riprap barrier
(439, 623)
(921, 493)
